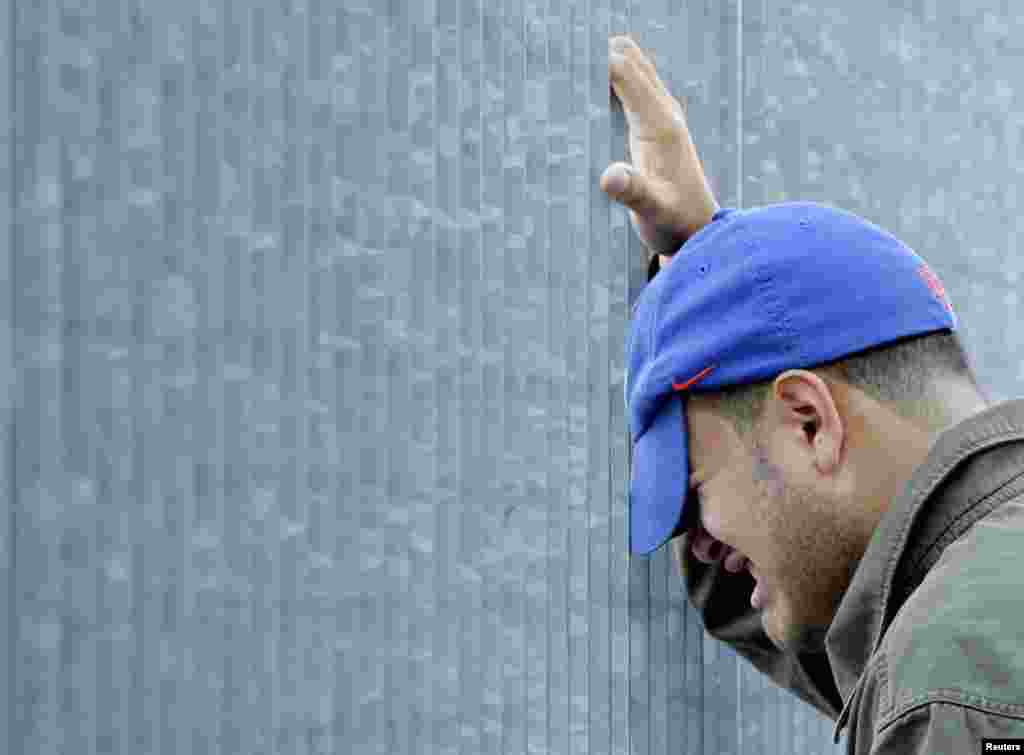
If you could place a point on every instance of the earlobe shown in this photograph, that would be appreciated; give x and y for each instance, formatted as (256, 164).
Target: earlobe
(825, 451)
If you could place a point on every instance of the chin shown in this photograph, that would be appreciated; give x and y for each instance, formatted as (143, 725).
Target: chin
(791, 638)
(784, 641)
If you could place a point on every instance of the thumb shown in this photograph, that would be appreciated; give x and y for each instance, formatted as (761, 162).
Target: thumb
(624, 184)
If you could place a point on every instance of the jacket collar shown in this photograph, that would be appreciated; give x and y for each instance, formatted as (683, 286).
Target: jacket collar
(945, 495)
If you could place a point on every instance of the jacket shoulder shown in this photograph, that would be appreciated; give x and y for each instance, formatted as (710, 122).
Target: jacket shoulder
(959, 638)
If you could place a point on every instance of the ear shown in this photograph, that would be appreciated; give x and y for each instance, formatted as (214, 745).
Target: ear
(809, 415)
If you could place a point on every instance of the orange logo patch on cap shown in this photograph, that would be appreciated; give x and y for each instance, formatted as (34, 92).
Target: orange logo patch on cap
(933, 282)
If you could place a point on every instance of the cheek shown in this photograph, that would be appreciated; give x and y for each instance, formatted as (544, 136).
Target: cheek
(712, 521)
(767, 477)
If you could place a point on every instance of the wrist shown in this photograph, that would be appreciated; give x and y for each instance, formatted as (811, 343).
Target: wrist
(658, 260)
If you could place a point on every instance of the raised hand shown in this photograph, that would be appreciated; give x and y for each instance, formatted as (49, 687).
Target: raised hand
(665, 189)
(707, 549)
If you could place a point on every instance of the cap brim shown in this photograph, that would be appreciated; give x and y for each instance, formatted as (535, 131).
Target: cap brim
(659, 482)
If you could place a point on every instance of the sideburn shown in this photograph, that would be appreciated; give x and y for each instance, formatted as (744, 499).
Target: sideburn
(764, 471)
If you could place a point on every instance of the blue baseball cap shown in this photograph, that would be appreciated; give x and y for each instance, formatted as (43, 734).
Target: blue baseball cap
(752, 294)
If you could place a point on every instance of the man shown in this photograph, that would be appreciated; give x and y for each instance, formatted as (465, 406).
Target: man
(866, 563)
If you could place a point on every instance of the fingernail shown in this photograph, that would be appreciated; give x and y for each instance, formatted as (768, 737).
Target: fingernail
(619, 44)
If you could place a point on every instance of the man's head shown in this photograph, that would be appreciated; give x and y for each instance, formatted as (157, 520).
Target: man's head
(796, 472)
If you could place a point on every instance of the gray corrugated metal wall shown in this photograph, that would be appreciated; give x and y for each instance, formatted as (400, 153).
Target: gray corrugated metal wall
(311, 367)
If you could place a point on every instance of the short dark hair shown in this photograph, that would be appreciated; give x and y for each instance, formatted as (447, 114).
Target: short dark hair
(904, 374)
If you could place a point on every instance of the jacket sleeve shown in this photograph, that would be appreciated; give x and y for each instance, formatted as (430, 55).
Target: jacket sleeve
(653, 268)
(723, 601)
(941, 728)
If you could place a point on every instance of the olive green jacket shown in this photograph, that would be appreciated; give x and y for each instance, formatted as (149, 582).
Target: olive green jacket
(926, 651)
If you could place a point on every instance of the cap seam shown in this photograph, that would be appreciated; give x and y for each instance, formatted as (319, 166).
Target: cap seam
(766, 289)
(732, 215)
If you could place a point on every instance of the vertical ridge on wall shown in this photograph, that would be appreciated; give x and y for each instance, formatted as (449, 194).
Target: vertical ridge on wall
(444, 665)
(515, 615)
(537, 17)
(620, 240)
(494, 378)
(318, 440)
(472, 521)
(659, 34)
(740, 91)
(37, 503)
(564, 269)
(138, 717)
(234, 733)
(423, 547)
(274, 605)
(402, 363)
(636, 602)
(535, 372)
(217, 534)
(445, 625)
(8, 376)
(391, 369)
(646, 721)
(598, 687)
(204, 545)
(512, 710)
(307, 730)
(577, 302)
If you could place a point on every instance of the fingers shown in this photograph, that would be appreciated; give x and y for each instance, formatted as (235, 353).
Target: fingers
(735, 561)
(633, 77)
(625, 46)
(708, 550)
(705, 548)
(631, 50)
